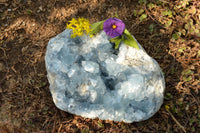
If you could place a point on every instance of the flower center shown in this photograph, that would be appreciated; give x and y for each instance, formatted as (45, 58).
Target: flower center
(114, 26)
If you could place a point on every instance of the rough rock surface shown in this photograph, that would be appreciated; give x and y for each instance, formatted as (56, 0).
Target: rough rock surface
(89, 78)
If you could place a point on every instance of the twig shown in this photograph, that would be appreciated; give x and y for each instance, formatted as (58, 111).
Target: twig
(89, 10)
(4, 52)
(54, 127)
(59, 128)
(197, 101)
(177, 121)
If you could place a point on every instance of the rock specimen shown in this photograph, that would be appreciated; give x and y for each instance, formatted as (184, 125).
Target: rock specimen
(88, 77)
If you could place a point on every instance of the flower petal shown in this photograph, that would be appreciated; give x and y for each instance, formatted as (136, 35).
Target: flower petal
(108, 27)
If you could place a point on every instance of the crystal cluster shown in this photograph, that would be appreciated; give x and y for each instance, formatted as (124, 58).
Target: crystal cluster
(88, 77)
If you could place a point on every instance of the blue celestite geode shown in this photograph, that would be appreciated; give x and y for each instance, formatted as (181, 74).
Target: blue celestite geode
(88, 77)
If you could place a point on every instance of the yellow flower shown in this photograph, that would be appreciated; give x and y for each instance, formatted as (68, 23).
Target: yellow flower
(87, 30)
(91, 36)
(73, 21)
(167, 107)
(79, 26)
(69, 26)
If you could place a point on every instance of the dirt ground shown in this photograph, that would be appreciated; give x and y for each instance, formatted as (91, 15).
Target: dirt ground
(25, 99)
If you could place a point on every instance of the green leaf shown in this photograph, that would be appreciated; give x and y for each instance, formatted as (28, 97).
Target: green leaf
(135, 13)
(196, 31)
(143, 16)
(141, 11)
(129, 40)
(85, 130)
(167, 13)
(169, 95)
(116, 15)
(96, 27)
(169, 22)
(193, 10)
(150, 5)
(101, 124)
(186, 79)
(199, 52)
(117, 41)
(29, 11)
(193, 129)
(187, 72)
(190, 21)
(175, 36)
(186, 26)
(151, 26)
(181, 49)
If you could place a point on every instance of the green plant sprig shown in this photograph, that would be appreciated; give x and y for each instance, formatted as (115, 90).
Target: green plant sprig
(126, 37)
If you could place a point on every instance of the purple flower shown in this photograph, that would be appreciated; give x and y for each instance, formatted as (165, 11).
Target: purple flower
(113, 27)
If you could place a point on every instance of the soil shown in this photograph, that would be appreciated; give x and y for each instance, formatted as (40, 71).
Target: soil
(25, 99)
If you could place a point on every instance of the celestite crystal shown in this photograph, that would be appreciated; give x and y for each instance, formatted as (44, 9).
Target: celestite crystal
(89, 78)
